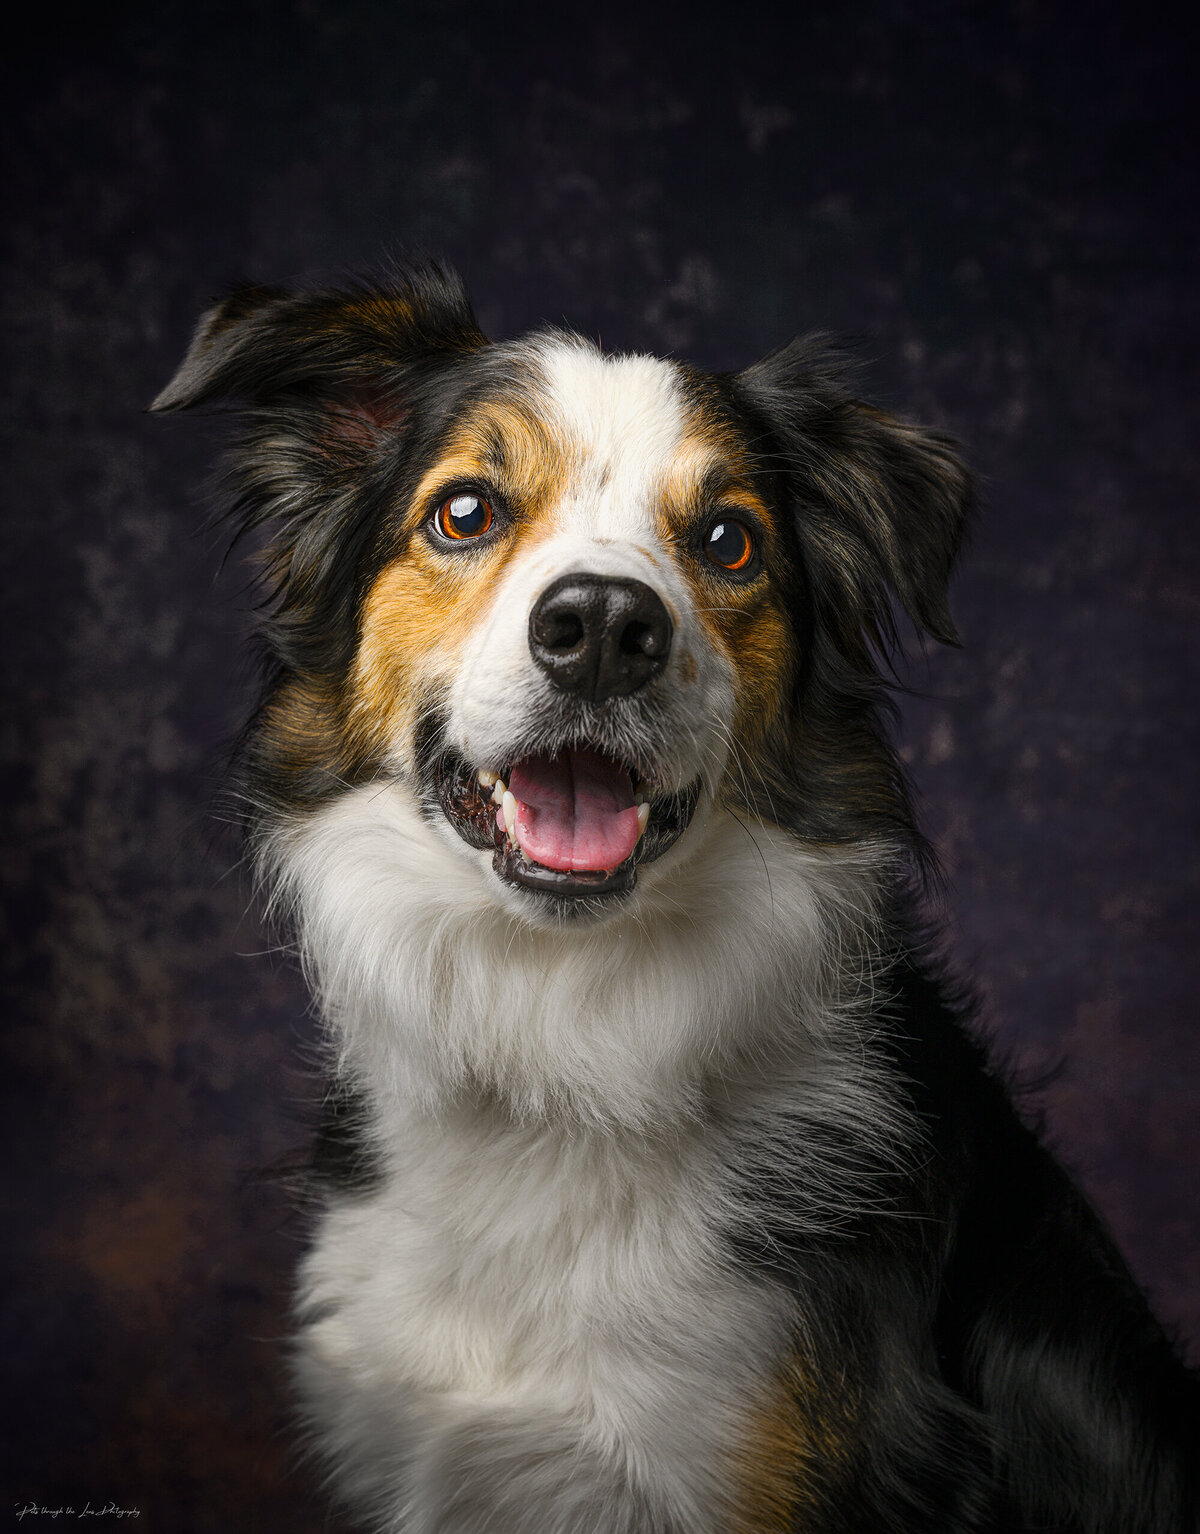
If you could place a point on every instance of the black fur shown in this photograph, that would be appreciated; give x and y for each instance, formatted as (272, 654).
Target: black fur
(344, 1161)
(986, 1361)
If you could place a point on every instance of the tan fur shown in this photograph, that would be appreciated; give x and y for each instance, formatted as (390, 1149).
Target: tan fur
(303, 724)
(771, 1471)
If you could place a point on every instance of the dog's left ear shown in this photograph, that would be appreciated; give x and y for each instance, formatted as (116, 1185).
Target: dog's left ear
(882, 506)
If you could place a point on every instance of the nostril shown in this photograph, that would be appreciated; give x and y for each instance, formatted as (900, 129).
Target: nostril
(562, 630)
(639, 639)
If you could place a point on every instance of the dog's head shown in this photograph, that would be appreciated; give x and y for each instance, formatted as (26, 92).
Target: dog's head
(578, 603)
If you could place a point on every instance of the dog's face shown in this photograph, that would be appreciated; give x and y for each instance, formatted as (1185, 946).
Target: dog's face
(581, 601)
(578, 602)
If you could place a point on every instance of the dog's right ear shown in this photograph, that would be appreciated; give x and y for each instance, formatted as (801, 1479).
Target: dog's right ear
(329, 386)
(223, 338)
(259, 346)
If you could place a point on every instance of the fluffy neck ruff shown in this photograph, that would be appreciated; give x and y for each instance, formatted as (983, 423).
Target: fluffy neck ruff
(750, 959)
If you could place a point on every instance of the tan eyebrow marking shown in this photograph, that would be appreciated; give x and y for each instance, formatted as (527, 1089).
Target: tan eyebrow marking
(505, 444)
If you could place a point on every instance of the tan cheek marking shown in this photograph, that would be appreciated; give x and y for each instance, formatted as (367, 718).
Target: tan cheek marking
(301, 732)
(416, 621)
(760, 646)
(751, 631)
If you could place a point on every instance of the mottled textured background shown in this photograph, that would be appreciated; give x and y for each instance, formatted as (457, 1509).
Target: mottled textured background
(1000, 207)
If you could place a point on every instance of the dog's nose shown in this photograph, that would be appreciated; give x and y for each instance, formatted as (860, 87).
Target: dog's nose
(599, 637)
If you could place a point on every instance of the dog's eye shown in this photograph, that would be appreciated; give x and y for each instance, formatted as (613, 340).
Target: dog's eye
(463, 516)
(729, 545)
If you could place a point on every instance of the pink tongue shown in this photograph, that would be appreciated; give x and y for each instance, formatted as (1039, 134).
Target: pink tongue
(575, 811)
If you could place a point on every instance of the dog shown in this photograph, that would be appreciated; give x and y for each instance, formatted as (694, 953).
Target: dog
(666, 1187)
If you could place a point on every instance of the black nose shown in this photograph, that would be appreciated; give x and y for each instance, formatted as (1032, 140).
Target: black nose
(599, 637)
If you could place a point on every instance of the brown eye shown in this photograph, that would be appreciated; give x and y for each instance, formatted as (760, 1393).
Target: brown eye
(463, 516)
(729, 545)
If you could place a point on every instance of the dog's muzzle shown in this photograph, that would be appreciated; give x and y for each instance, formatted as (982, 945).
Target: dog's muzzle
(567, 813)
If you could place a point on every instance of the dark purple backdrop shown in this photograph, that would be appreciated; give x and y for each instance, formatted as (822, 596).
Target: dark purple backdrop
(1002, 209)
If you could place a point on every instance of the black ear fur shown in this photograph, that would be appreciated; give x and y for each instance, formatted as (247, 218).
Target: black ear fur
(221, 335)
(331, 386)
(258, 345)
(882, 506)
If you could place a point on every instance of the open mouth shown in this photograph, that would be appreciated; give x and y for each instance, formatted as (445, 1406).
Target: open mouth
(576, 824)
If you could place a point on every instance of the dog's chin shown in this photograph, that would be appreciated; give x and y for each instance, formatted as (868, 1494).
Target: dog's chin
(471, 805)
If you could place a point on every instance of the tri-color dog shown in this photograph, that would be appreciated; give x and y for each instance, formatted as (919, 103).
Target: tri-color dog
(666, 1189)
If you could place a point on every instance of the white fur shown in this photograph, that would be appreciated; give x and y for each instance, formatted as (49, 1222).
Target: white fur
(544, 1283)
(625, 420)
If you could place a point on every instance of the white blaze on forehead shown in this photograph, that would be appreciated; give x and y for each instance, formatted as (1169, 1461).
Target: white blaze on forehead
(626, 418)
(621, 425)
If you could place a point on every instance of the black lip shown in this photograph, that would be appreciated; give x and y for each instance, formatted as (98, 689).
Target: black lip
(512, 864)
(469, 809)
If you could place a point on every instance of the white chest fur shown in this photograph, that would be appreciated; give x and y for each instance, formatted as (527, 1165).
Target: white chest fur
(530, 1331)
(532, 1324)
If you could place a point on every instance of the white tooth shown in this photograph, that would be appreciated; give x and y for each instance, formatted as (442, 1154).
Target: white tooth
(643, 817)
(510, 816)
(487, 779)
(498, 791)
